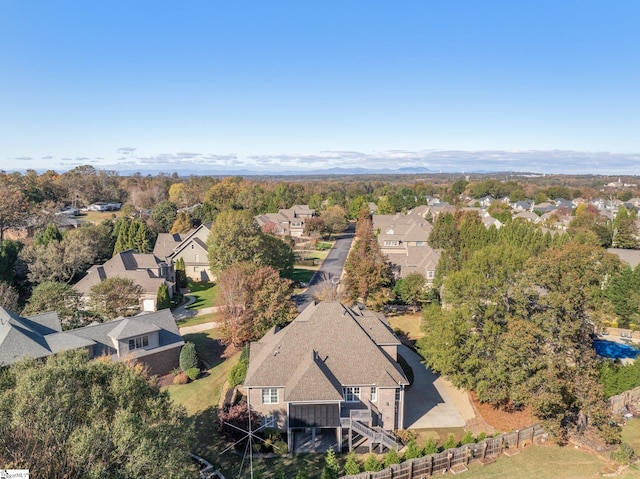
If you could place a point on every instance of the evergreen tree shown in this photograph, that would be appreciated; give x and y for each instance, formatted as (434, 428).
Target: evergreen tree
(331, 468)
(163, 301)
(372, 464)
(188, 356)
(412, 451)
(302, 472)
(430, 447)
(351, 466)
(50, 233)
(391, 457)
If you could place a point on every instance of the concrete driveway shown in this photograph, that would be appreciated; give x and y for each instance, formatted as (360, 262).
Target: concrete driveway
(432, 402)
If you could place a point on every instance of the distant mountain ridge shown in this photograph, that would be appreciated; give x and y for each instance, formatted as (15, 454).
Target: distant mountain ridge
(297, 172)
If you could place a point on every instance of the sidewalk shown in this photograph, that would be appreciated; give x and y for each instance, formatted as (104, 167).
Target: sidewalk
(182, 313)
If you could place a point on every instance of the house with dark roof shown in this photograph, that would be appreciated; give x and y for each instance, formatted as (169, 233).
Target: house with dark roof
(152, 339)
(144, 269)
(191, 247)
(332, 371)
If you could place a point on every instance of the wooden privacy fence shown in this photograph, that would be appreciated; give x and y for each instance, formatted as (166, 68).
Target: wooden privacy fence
(460, 457)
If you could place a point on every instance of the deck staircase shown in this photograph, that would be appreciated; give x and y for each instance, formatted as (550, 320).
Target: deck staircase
(376, 435)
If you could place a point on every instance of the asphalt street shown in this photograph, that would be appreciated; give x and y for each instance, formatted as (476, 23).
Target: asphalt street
(331, 269)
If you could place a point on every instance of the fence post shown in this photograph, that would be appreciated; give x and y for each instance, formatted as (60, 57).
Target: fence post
(430, 462)
(467, 454)
(449, 457)
(485, 445)
(517, 438)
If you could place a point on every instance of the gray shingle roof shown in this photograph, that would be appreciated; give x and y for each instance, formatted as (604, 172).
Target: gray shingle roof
(131, 327)
(141, 268)
(347, 354)
(40, 336)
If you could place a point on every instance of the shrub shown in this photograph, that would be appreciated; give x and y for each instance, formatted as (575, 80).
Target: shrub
(450, 443)
(412, 451)
(481, 437)
(239, 371)
(193, 373)
(431, 446)
(391, 457)
(188, 357)
(351, 466)
(372, 464)
(624, 454)
(181, 379)
(467, 438)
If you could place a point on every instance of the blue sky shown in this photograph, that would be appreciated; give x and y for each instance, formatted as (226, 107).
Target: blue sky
(544, 86)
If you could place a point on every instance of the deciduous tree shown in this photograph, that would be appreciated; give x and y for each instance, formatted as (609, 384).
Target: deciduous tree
(59, 297)
(115, 297)
(9, 297)
(251, 301)
(71, 417)
(368, 272)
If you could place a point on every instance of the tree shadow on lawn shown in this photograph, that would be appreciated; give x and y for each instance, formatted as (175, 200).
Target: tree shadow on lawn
(211, 351)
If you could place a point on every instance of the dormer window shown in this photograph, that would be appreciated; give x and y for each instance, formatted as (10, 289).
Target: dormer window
(391, 243)
(138, 343)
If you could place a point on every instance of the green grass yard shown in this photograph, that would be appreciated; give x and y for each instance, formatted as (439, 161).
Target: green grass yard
(631, 434)
(550, 462)
(409, 324)
(199, 319)
(205, 294)
(208, 346)
(302, 275)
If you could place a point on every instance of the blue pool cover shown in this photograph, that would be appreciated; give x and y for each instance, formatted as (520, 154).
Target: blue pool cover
(610, 349)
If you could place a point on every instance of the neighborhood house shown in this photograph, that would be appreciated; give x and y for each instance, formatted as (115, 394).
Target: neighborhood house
(144, 269)
(332, 371)
(152, 339)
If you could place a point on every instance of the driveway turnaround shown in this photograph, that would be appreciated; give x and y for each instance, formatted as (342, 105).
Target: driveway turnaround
(431, 402)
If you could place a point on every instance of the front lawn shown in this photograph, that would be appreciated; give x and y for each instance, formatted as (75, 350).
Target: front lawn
(198, 319)
(205, 294)
(301, 275)
(208, 346)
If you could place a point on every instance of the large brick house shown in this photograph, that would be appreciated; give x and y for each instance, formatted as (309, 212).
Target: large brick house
(152, 339)
(332, 370)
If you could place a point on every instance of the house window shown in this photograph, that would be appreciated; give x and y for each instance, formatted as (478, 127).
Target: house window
(397, 395)
(421, 243)
(269, 421)
(270, 396)
(392, 243)
(374, 394)
(139, 342)
(351, 394)
(431, 274)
